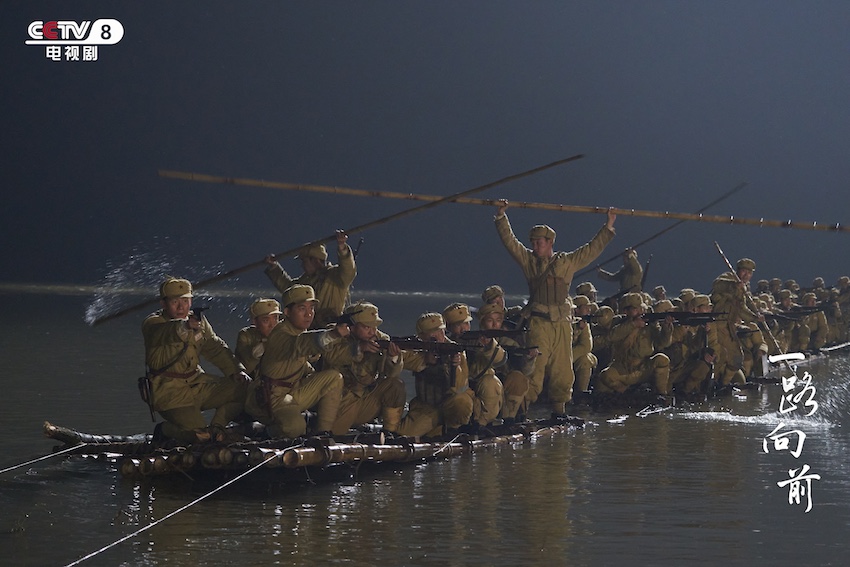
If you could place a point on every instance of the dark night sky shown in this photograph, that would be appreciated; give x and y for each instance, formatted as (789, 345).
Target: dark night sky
(673, 104)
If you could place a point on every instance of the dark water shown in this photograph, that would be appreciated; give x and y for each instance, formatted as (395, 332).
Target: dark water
(686, 486)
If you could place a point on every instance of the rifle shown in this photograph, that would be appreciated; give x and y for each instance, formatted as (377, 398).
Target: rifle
(684, 317)
(413, 343)
(514, 351)
(645, 272)
(492, 334)
(345, 318)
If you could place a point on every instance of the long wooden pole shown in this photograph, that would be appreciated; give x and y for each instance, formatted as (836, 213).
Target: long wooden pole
(699, 217)
(353, 230)
(661, 232)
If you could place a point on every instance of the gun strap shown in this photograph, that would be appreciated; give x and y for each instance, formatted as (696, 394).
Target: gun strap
(158, 371)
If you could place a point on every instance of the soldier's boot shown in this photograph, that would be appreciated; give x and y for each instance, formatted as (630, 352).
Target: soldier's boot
(327, 409)
(559, 409)
(391, 418)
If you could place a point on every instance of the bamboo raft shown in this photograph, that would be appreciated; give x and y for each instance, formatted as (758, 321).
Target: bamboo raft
(137, 456)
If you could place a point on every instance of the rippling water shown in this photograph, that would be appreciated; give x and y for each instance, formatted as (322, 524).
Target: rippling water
(689, 485)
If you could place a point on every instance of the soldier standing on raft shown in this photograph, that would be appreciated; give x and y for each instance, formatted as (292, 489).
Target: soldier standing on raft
(549, 310)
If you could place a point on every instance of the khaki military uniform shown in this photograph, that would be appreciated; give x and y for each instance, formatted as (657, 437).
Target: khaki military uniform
(688, 368)
(372, 385)
(180, 389)
(288, 384)
(443, 397)
(250, 346)
(331, 285)
(635, 358)
(550, 308)
(584, 361)
(728, 296)
(489, 390)
(628, 276)
(818, 330)
(515, 377)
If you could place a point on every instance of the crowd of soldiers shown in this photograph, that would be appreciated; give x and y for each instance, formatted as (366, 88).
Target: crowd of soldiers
(314, 353)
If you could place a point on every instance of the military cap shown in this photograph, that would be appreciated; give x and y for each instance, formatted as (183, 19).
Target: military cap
(699, 300)
(792, 285)
(581, 300)
(298, 293)
(541, 231)
(663, 306)
(456, 313)
(659, 289)
(489, 309)
(314, 251)
(762, 285)
(175, 287)
(785, 294)
(631, 300)
(818, 282)
(745, 264)
(364, 313)
(809, 295)
(687, 295)
(585, 288)
(429, 322)
(604, 315)
(844, 280)
(491, 293)
(264, 307)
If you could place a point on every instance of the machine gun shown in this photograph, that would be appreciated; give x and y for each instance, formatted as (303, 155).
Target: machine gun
(198, 312)
(345, 318)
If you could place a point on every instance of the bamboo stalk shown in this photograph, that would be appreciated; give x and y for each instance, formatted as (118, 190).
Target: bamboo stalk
(699, 217)
(354, 230)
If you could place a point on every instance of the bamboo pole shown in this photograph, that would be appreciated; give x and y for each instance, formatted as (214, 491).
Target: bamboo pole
(354, 230)
(699, 217)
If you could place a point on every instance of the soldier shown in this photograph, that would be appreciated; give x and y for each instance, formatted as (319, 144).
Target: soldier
(586, 289)
(520, 365)
(816, 322)
(288, 383)
(330, 282)
(251, 341)
(549, 307)
(793, 331)
(372, 384)
(584, 361)
(693, 364)
(635, 347)
(603, 321)
(730, 294)
(489, 391)
(443, 397)
(175, 339)
(659, 293)
(495, 295)
(628, 276)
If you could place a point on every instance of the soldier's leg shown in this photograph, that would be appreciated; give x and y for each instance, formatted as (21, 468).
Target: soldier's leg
(660, 364)
(541, 334)
(515, 385)
(561, 377)
(287, 422)
(226, 396)
(489, 395)
(583, 368)
(457, 410)
(420, 419)
(346, 417)
(324, 390)
(184, 424)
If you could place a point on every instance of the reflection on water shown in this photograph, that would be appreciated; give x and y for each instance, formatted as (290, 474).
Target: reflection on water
(689, 485)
